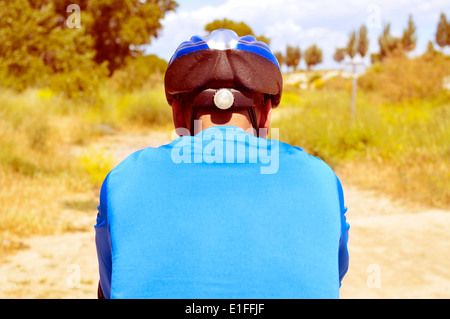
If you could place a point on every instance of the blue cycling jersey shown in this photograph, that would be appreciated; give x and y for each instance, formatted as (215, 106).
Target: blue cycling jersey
(222, 214)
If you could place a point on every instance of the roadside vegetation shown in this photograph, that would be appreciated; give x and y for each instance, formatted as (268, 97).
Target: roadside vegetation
(44, 177)
(64, 88)
(399, 139)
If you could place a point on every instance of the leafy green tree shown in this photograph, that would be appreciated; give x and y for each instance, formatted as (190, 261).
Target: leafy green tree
(40, 47)
(443, 31)
(35, 47)
(292, 57)
(339, 55)
(357, 43)
(279, 57)
(263, 38)
(388, 43)
(430, 53)
(21, 43)
(241, 28)
(139, 72)
(375, 58)
(312, 56)
(430, 48)
(363, 41)
(120, 28)
(352, 45)
(448, 32)
(409, 37)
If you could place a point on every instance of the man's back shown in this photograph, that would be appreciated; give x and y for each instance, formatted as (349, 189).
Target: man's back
(223, 214)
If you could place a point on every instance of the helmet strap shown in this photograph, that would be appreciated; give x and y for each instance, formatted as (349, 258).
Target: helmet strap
(252, 115)
(193, 116)
(187, 99)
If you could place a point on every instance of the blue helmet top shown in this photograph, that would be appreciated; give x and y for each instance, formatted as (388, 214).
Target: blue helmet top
(223, 39)
(223, 60)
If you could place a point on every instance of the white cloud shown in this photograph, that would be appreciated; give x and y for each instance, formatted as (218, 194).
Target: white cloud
(298, 22)
(290, 31)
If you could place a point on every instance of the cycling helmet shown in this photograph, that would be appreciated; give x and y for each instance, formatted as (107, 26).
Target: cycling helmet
(223, 70)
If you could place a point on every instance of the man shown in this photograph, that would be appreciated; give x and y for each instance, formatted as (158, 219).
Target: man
(222, 212)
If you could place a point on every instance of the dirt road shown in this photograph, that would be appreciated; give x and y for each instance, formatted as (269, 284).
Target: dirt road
(396, 250)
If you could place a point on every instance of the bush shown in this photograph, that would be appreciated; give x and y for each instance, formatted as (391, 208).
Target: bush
(79, 84)
(146, 107)
(139, 72)
(338, 83)
(403, 146)
(29, 138)
(401, 79)
(290, 98)
(97, 164)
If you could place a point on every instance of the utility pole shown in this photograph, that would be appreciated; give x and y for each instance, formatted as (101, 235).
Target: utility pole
(354, 85)
(356, 66)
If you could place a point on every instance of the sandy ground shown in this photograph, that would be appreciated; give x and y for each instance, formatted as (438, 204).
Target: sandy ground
(396, 250)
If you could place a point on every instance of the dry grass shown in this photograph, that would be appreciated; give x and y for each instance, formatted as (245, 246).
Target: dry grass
(38, 205)
(398, 143)
(44, 183)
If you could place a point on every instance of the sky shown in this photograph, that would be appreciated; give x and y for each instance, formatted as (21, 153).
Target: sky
(302, 23)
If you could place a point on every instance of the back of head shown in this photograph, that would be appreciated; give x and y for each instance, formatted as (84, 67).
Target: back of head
(240, 68)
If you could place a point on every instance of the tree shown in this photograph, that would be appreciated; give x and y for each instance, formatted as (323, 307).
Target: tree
(430, 48)
(357, 43)
(241, 28)
(430, 53)
(388, 43)
(375, 58)
(363, 41)
(263, 38)
(121, 28)
(279, 57)
(351, 48)
(312, 56)
(442, 32)
(292, 57)
(448, 32)
(409, 37)
(339, 55)
(139, 72)
(39, 46)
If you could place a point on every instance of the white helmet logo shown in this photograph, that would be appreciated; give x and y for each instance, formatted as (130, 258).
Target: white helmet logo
(222, 40)
(223, 99)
